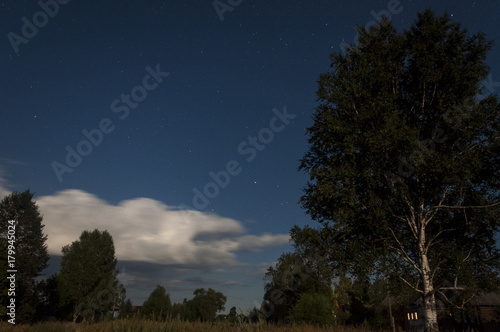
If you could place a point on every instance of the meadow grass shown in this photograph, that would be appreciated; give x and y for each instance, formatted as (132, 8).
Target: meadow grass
(137, 325)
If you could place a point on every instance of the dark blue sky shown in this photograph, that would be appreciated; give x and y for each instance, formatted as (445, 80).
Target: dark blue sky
(217, 101)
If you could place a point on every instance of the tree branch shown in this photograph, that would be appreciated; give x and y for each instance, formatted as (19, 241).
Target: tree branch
(458, 268)
(467, 207)
(423, 98)
(451, 288)
(437, 267)
(433, 93)
(410, 285)
(439, 233)
(453, 304)
(403, 252)
(435, 211)
(408, 221)
(411, 223)
(355, 109)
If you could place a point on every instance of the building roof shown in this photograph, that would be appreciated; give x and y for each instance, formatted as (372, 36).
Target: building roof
(487, 299)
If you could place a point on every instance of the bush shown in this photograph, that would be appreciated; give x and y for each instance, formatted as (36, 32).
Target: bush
(316, 309)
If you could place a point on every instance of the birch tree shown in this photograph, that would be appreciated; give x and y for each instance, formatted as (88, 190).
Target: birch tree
(404, 161)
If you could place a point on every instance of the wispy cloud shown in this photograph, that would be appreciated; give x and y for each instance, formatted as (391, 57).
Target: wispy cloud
(6, 164)
(210, 281)
(3, 191)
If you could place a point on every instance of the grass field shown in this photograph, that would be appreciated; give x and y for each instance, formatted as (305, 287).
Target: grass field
(172, 326)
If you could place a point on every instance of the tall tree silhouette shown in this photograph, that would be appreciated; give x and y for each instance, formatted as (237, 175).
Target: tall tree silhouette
(29, 248)
(404, 161)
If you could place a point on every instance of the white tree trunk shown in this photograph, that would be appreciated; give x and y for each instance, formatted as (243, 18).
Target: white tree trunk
(431, 324)
(430, 311)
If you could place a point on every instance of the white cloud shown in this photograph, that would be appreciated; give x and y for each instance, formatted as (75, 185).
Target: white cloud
(148, 230)
(254, 242)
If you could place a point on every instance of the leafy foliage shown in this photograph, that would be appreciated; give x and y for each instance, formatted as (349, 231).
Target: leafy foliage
(256, 316)
(51, 304)
(31, 254)
(158, 305)
(203, 306)
(206, 303)
(305, 270)
(404, 161)
(91, 294)
(360, 301)
(315, 309)
(125, 309)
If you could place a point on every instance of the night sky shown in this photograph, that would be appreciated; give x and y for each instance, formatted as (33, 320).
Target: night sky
(178, 128)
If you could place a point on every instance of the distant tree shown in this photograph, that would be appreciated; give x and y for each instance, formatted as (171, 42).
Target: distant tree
(282, 289)
(315, 267)
(88, 276)
(378, 290)
(343, 292)
(360, 301)
(256, 316)
(124, 305)
(28, 248)
(315, 309)
(404, 161)
(126, 309)
(203, 306)
(189, 311)
(233, 315)
(179, 311)
(51, 304)
(303, 271)
(158, 305)
(206, 303)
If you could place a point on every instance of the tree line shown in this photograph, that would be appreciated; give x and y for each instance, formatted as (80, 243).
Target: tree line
(202, 307)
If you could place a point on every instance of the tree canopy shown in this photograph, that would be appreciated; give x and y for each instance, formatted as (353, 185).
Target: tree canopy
(30, 250)
(203, 306)
(158, 305)
(313, 308)
(303, 271)
(206, 303)
(88, 275)
(404, 161)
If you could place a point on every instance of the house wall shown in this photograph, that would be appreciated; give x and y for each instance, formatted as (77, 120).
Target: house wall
(489, 314)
